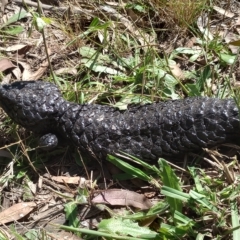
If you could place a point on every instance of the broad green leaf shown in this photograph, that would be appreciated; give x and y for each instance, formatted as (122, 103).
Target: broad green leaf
(100, 68)
(88, 52)
(175, 232)
(123, 103)
(47, 20)
(125, 227)
(40, 23)
(82, 197)
(21, 174)
(137, 7)
(15, 18)
(227, 58)
(71, 214)
(167, 80)
(170, 92)
(191, 51)
(170, 81)
(201, 236)
(13, 30)
(194, 57)
(32, 234)
(96, 61)
(94, 55)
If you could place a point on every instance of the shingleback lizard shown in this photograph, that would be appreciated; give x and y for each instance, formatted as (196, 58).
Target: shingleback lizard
(145, 131)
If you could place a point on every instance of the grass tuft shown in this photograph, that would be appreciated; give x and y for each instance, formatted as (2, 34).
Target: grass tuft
(181, 13)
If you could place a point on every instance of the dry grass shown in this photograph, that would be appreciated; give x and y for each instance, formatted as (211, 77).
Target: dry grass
(181, 13)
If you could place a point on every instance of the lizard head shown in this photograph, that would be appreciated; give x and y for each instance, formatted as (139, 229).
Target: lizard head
(32, 104)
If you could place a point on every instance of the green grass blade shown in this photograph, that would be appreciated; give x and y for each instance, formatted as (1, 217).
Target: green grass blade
(173, 193)
(235, 220)
(142, 163)
(181, 217)
(202, 199)
(170, 179)
(126, 167)
(157, 209)
(196, 178)
(97, 233)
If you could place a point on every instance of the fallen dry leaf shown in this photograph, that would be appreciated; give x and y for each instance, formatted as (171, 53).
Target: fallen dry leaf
(50, 209)
(32, 186)
(5, 176)
(64, 235)
(24, 50)
(232, 38)
(72, 71)
(16, 47)
(176, 71)
(4, 153)
(16, 212)
(190, 43)
(17, 72)
(224, 12)
(119, 197)
(5, 64)
(202, 23)
(6, 79)
(26, 70)
(3, 3)
(37, 74)
(68, 180)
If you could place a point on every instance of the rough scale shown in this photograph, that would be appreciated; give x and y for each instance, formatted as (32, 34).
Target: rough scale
(148, 131)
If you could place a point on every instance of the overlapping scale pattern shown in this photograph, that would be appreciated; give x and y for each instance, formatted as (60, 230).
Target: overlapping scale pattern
(146, 131)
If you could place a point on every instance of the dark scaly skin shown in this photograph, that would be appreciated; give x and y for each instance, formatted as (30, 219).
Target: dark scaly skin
(147, 132)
